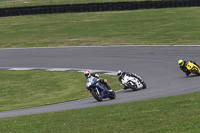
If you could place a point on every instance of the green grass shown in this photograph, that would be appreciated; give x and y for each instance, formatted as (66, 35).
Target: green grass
(23, 89)
(140, 27)
(18, 3)
(175, 114)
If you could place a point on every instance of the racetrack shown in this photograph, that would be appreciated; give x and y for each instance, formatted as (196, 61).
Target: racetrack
(157, 65)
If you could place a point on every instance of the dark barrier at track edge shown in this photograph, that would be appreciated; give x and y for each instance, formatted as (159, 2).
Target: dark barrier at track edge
(96, 7)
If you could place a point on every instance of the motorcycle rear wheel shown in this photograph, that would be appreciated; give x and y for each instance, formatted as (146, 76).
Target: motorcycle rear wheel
(196, 71)
(144, 86)
(112, 95)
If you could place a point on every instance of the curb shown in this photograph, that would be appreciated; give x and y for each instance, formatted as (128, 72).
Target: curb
(59, 69)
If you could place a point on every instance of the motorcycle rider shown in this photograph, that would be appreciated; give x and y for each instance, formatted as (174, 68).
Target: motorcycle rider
(93, 76)
(183, 64)
(121, 74)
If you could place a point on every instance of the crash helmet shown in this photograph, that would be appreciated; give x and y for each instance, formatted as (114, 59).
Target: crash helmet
(119, 73)
(181, 62)
(87, 74)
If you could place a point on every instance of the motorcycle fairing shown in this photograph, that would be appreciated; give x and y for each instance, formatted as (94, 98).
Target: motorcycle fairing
(126, 78)
(100, 86)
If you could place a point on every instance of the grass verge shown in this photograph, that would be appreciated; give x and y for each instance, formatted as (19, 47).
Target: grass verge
(23, 89)
(19, 3)
(140, 27)
(169, 114)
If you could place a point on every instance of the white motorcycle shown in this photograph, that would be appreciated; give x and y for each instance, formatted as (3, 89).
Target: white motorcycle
(133, 83)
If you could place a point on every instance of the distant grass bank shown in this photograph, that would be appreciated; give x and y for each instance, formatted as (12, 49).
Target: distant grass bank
(177, 114)
(21, 3)
(140, 27)
(24, 89)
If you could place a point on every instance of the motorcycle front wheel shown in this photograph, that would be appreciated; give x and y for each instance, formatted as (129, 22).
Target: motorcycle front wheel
(133, 86)
(96, 95)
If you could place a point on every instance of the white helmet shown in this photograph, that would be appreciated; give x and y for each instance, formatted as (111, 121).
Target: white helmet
(119, 73)
(87, 74)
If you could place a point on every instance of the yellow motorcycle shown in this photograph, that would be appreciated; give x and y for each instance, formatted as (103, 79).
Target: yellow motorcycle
(192, 68)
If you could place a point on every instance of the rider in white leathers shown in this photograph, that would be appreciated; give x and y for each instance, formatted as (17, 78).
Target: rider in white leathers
(93, 76)
(121, 74)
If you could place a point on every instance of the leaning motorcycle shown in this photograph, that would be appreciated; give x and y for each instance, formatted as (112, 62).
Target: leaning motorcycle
(192, 68)
(99, 90)
(132, 82)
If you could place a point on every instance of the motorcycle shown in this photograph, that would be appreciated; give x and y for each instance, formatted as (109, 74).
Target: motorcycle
(99, 91)
(192, 68)
(133, 83)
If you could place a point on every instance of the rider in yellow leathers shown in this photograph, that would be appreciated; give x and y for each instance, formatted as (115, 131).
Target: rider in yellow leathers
(183, 64)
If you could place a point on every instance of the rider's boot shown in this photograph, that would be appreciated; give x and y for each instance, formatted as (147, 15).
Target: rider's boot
(108, 88)
(196, 65)
(104, 81)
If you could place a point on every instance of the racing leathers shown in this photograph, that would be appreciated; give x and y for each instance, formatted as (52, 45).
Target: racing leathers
(184, 69)
(96, 77)
(131, 75)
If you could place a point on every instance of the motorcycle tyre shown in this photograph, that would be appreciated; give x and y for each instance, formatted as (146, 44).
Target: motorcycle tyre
(196, 72)
(144, 86)
(96, 96)
(112, 95)
(134, 87)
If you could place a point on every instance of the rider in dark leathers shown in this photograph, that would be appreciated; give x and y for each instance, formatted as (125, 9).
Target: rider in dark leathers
(121, 74)
(183, 64)
(93, 76)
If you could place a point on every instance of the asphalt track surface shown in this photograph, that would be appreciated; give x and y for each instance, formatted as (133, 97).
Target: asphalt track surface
(157, 65)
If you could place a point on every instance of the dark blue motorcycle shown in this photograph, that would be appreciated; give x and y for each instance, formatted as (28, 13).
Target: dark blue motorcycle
(99, 91)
